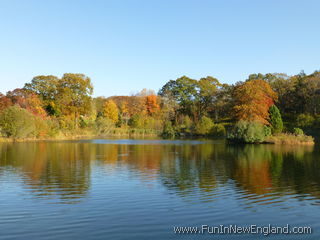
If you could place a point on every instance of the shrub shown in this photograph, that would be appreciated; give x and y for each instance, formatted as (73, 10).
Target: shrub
(248, 132)
(17, 122)
(275, 119)
(305, 120)
(66, 123)
(136, 121)
(186, 124)
(168, 130)
(218, 130)
(145, 122)
(204, 126)
(316, 122)
(52, 109)
(291, 139)
(298, 131)
(152, 123)
(104, 125)
(83, 122)
(41, 127)
(53, 127)
(267, 131)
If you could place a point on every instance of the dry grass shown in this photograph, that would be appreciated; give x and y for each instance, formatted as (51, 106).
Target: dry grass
(88, 134)
(290, 139)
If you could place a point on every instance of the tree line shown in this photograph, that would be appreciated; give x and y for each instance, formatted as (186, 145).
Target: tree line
(260, 106)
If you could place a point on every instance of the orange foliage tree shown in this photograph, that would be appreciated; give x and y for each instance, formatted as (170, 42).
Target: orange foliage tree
(253, 100)
(151, 104)
(134, 104)
(27, 100)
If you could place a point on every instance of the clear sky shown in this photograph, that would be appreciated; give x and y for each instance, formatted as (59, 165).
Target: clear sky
(125, 46)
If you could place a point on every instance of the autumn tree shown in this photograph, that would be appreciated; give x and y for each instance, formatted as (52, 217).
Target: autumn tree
(74, 95)
(124, 112)
(253, 100)
(27, 100)
(110, 111)
(152, 104)
(4, 102)
(283, 85)
(46, 87)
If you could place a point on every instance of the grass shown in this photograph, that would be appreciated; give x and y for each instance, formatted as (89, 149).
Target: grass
(290, 139)
(88, 133)
(133, 132)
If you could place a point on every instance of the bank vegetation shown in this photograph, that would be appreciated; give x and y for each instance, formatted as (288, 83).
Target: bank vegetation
(265, 108)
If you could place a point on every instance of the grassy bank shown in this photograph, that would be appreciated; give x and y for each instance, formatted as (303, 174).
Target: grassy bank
(88, 134)
(290, 139)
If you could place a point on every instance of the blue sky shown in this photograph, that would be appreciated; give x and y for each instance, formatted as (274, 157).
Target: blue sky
(125, 46)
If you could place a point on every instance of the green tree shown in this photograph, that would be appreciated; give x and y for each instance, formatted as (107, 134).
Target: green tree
(275, 119)
(247, 132)
(45, 86)
(298, 131)
(194, 98)
(204, 126)
(183, 91)
(305, 120)
(185, 124)
(218, 130)
(168, 130)
(223, 102)
(137, 121)
(17, 122)
(207, 95)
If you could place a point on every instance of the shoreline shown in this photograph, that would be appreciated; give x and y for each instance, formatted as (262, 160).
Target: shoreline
(76, 137)
(272, 141)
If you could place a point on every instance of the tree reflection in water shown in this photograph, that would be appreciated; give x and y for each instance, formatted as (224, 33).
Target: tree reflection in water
(62, 169)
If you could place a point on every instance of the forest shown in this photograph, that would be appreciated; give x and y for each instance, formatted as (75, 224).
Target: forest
(273, 107)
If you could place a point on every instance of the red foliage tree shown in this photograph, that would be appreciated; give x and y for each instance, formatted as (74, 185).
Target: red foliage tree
(4, 102)
(27, 100)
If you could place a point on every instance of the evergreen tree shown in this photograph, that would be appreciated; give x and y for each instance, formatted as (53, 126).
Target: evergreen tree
(275, 119)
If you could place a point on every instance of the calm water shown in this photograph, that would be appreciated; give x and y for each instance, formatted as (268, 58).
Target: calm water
(140, 189)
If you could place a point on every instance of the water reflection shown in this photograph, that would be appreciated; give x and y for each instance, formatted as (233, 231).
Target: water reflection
(258, 173)
(49, 170)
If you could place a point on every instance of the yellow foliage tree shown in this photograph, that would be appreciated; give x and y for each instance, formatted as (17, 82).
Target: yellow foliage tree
(124, 111)
(110, 110)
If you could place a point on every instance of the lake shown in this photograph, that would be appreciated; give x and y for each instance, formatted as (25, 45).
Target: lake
(142, 189)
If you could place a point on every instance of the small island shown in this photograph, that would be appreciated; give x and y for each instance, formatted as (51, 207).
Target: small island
(265, 108)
